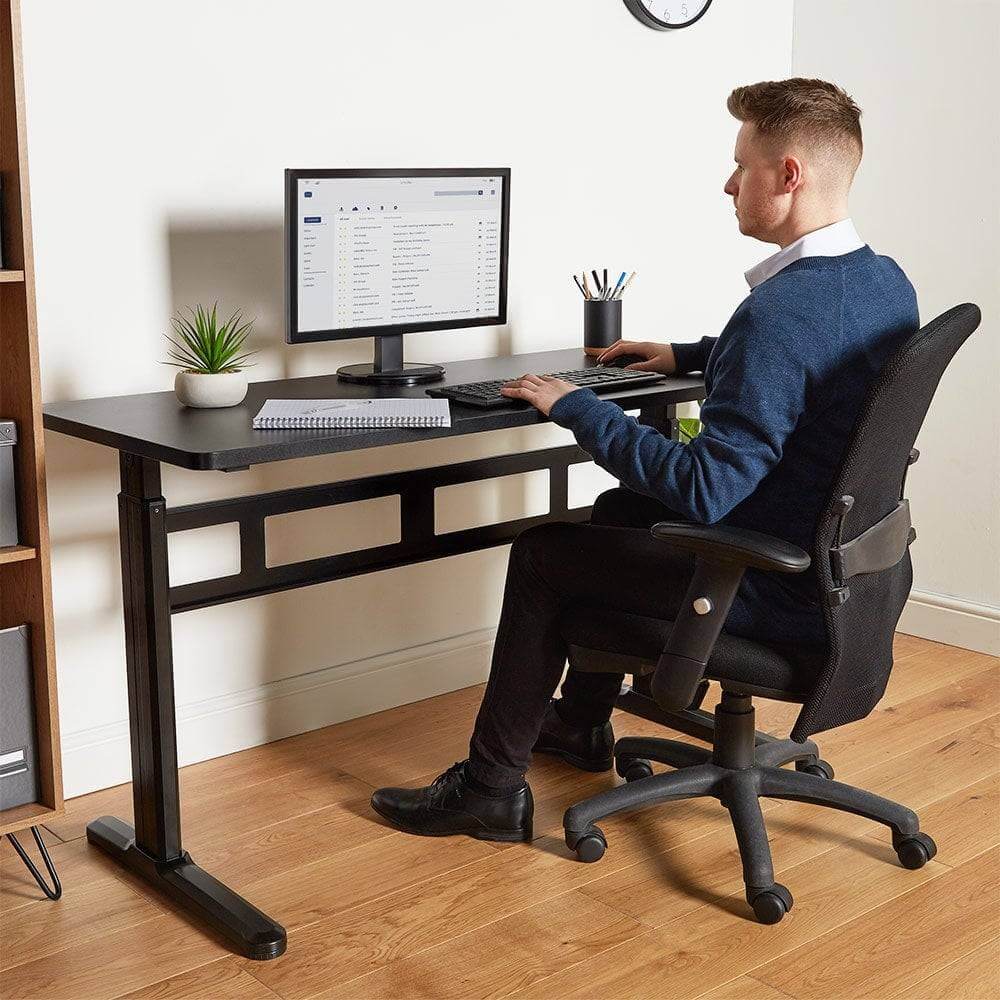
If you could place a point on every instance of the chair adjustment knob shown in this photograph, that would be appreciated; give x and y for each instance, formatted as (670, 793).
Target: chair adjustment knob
(702, 606)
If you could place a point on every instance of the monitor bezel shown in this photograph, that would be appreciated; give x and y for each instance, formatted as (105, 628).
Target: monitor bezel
(292, 176)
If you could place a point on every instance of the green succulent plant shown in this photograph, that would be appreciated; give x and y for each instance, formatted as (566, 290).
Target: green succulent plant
(200, 344)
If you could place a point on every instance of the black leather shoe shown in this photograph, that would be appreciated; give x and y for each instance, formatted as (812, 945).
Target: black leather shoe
(591, 749)
(449, 805)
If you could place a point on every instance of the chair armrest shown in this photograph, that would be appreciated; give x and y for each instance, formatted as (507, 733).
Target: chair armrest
(720, 543)
(722, 555)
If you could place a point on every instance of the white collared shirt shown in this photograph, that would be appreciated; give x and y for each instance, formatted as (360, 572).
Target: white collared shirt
(830, 241)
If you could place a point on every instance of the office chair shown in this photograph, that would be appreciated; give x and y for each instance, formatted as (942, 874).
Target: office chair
(861, 553)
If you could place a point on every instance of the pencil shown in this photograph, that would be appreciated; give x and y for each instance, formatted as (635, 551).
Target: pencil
(578, 285)
(586, 287)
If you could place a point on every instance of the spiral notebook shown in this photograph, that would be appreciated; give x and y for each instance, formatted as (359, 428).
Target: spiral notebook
(325, 413)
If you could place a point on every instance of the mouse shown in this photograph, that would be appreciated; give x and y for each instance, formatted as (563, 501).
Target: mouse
(623, 361)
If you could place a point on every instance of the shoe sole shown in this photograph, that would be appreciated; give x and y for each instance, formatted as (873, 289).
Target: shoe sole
(504, 836)
(577, 762)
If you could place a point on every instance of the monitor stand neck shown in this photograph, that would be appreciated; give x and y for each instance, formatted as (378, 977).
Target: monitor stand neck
(389, 367)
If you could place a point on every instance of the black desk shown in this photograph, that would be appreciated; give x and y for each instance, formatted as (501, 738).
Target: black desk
(152, 428)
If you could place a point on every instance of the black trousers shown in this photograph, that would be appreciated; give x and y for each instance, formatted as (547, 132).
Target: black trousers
(610, 563)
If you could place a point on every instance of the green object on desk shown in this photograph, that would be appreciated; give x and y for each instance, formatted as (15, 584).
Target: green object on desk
(202, 346)
(688, 428)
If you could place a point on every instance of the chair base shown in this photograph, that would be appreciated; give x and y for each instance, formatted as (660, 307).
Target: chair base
(738, 774)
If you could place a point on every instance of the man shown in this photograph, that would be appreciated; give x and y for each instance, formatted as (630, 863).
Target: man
(785, 380)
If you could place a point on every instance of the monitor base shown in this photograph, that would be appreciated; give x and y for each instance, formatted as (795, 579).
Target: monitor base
(372, 374)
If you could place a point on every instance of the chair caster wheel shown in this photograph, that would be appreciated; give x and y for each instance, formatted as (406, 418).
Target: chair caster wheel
(819, 767)
(770, 905)
(590, 846)
(914, 851)
(633, 770)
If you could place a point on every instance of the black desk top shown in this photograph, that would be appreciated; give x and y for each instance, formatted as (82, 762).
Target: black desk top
(155, 425)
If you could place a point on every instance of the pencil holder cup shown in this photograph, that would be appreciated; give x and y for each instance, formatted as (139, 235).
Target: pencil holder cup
(602, 322)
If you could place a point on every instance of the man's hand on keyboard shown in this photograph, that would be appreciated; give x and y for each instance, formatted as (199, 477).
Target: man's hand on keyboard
(542, 391)
(658, 357)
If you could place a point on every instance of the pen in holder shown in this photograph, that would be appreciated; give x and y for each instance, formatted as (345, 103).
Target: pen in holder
(602, 322)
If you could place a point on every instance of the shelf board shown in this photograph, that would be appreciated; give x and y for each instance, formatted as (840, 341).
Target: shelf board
(21, 817)
(11, 275)
(16, 553)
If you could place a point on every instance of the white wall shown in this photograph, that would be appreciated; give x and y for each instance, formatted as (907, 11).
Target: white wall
(927, 194)
(157, 142)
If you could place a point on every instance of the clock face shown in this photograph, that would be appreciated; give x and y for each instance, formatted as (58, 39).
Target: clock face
(666, 14)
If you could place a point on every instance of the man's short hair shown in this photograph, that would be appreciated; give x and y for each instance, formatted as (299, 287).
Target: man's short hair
(813, 110)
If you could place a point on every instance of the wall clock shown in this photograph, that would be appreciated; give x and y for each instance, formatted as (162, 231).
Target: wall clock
(667, 14)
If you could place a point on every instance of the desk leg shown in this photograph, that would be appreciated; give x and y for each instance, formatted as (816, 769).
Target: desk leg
(152, 849)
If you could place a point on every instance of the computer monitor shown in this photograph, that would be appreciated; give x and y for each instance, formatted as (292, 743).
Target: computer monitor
(381, 253)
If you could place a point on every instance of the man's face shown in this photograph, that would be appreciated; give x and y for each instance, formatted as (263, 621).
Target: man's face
(758, 185)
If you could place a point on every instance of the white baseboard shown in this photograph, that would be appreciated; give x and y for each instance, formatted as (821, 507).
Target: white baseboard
(951, 621)
(100, 757)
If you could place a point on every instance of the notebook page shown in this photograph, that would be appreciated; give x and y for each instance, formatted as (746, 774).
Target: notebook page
(282, 413)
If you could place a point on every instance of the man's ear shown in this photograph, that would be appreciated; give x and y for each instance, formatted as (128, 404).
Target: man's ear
(792, 173)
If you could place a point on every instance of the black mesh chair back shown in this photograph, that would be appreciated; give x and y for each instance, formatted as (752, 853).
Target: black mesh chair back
(861, 549)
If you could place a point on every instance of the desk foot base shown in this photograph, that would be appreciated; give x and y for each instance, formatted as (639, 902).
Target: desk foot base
(250, 932)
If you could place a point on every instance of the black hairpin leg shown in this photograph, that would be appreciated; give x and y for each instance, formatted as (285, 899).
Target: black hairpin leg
(56, 891)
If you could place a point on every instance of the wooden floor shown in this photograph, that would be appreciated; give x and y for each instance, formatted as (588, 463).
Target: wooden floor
(375, 913)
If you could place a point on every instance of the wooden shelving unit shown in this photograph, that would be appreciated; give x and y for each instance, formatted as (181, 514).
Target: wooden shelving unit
(25, 584)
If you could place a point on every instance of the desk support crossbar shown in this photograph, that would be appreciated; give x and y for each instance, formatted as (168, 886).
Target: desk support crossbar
(418, 541)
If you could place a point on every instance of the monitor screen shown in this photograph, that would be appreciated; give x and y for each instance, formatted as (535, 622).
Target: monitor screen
(391, 251)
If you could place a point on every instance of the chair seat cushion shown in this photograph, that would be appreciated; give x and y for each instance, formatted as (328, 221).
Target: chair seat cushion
(611, 641)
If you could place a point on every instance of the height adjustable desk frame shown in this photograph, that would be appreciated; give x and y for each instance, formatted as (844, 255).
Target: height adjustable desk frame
(150, 428)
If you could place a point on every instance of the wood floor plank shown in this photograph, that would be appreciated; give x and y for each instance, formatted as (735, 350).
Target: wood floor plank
(898, 728)
(501, 958)
(76, 862)
(720, 941)
(124, 961)
(88, 912)
(924, 671)
(893, 947)
(222, 979)
(988, 731)
(327, 886)
(226, 807)
(975, 976)
(274, 849)
(744, 988)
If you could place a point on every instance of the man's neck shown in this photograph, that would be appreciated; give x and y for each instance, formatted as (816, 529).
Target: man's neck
(798, 228)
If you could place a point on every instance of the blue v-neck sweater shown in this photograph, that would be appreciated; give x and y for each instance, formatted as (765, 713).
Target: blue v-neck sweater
(784, 384)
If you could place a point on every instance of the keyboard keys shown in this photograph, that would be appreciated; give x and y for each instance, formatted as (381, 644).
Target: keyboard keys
(487, 394)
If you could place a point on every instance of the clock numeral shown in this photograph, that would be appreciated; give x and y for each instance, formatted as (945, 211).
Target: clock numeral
(684, 10)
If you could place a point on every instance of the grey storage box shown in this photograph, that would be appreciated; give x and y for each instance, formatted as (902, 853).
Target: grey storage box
(8, 496)
(18, 752)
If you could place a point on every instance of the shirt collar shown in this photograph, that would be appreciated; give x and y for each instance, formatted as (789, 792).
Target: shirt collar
(830, 241)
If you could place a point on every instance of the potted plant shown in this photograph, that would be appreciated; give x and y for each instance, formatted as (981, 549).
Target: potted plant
(211, 357)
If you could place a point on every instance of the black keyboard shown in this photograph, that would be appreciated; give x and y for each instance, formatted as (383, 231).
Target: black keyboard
(598, 378)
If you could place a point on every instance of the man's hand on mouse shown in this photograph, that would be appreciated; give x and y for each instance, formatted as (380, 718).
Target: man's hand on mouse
(542, 391)
(657, 357)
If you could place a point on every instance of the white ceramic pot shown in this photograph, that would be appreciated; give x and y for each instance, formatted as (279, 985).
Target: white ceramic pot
(204, 391)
